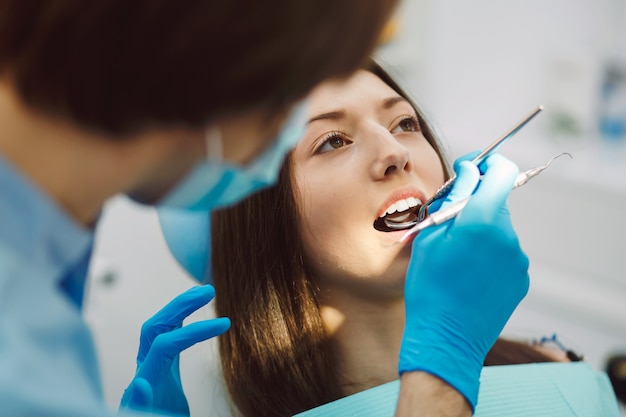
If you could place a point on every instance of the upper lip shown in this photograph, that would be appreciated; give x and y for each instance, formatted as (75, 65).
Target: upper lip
(398, 195)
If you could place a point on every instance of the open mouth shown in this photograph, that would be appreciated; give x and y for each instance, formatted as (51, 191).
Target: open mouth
(401, 215)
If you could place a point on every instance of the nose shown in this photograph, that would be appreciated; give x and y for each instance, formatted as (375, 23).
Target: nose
(392, 156)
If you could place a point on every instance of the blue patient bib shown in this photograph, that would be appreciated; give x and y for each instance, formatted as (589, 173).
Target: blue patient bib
(528, 390)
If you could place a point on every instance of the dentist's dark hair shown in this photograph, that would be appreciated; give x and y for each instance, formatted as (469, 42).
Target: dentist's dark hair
(120, 66)
(276, 358)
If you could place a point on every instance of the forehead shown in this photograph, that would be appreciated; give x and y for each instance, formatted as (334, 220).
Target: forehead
(360, 88)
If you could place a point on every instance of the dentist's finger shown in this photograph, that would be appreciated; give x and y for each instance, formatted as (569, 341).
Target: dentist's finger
(172, 315)
(467, 179)
(167, 345)
(495, 186)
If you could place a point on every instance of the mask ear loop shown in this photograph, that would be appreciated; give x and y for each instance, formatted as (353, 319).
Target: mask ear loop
(214, 147)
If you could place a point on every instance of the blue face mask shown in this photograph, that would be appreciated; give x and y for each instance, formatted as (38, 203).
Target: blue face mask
(215, 183)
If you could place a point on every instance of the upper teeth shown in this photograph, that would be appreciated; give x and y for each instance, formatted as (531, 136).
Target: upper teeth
(402, 205)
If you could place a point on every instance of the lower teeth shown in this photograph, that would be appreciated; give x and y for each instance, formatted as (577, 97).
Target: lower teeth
(400, 225)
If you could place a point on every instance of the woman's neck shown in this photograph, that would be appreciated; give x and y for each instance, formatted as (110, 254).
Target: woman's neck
(366, 336)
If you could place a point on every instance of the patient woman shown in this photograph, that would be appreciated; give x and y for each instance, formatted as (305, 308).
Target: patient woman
(307, 270)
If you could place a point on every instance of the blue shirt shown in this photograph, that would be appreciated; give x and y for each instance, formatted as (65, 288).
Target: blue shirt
(48, 364)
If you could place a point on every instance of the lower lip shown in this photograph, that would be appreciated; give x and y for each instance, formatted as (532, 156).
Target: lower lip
(410, 239)
(397, 235)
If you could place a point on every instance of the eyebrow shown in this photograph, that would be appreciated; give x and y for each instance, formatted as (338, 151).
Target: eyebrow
(392, 101)
(340, 114)
(333, 115)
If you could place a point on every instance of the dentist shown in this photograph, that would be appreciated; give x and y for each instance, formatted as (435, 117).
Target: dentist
(105, 97)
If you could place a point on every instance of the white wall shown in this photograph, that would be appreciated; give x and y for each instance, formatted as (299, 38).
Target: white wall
(132, 276)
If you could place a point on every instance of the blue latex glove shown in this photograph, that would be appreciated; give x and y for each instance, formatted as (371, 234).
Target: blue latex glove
(156, 386)
(464, 280)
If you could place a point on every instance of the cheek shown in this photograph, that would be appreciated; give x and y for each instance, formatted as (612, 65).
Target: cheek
(322, 222)
(326, 197)
(429, 167)
(328, 227)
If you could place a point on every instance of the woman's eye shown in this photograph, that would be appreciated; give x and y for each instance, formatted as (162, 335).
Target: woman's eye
(408, 124)
(331, 143)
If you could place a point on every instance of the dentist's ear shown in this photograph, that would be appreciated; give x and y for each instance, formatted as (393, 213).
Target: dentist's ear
(188, 237)
(214, 147)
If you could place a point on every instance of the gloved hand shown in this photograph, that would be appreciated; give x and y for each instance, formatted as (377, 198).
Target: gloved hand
(465, 279)
(157, 386)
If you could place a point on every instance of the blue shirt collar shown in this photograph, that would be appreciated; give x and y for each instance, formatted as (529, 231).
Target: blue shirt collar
(36, 229)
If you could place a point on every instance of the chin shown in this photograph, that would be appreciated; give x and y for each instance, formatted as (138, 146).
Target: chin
(395, 272)
(403, 254)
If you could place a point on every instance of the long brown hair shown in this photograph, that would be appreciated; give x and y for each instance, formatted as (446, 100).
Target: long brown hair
(120, 65)
(276, 358)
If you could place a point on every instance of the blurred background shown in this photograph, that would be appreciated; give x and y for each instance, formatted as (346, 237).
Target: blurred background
(475, 68)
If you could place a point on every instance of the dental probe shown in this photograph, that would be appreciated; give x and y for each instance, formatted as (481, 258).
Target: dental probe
(452, 211)
(443, 190)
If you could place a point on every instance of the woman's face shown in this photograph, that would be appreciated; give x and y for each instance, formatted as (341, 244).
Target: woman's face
(363, 153)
